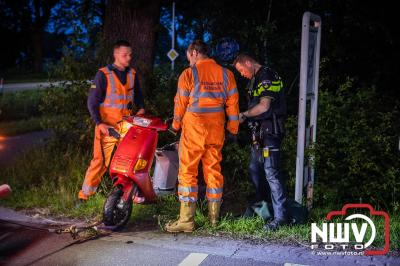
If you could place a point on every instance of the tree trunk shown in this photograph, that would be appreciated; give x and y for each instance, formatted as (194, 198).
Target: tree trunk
(37, 44)
(42, 12)
(136, 22)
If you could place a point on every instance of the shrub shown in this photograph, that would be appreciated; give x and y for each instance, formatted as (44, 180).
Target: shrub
(356, 156)
(65, 113)
(20, 105)
(357, 153)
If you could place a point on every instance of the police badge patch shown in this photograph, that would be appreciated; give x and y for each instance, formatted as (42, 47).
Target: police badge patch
(266, 83)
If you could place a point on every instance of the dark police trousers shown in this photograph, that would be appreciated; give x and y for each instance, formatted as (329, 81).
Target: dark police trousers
(268, 168)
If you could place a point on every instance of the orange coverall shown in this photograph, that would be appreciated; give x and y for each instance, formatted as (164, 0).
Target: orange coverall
(114, 107)
(205, 92)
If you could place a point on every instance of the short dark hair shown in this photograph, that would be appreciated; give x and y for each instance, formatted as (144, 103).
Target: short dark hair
(198, 45)
(120, 43)
(241, 58)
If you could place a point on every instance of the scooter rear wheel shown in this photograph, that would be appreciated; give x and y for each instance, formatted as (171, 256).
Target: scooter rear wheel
(117, 211)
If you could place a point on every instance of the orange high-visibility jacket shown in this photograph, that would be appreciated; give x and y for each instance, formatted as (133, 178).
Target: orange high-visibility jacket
(208, 89)
(118, 96)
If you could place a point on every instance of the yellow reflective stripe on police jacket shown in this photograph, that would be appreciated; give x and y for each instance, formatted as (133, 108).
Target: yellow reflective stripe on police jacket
(275, 86)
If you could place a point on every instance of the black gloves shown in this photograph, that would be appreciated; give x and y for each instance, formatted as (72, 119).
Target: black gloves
(112, 132)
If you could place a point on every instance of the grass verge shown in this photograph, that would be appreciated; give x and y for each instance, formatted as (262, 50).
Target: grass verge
(20, 105)
(49, 178)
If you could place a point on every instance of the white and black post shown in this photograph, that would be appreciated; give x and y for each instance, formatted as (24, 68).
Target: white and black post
(309, 77)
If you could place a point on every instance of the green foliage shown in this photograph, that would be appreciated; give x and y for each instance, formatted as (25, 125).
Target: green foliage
(235, 157)
(74, 66)
(47, 177)
(289, 146)
(79, 61)
(358, 146)
(65, 113)
(159, 98)
(235, 171)
(20, 105)
(356, 153)
(81, 58)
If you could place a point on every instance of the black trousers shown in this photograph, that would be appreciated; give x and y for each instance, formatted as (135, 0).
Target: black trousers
(266, 167)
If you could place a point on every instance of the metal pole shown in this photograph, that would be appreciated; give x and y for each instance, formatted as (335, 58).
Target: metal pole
(309, 78)
(302, 108)
(316, 81)
(314, 108)
(173, 34)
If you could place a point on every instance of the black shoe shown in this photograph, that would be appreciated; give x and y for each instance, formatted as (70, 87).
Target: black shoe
(274, 225)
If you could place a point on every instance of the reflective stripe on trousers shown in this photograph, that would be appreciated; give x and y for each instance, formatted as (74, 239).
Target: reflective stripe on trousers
(102, 151)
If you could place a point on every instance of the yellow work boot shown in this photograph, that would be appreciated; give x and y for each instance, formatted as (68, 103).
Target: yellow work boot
(185, 223)
(213, 212)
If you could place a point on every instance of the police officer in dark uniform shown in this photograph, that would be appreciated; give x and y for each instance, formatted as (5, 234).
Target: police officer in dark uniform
(265, 117)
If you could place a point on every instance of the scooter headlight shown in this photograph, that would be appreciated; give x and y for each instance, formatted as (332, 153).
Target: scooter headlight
(141, 121)
(140, 164)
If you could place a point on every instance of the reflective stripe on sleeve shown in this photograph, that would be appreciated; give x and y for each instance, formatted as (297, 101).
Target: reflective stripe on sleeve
(233, 117)
(204, 109)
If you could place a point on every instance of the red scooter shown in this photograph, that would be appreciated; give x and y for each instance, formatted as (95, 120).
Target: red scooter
(130, 167)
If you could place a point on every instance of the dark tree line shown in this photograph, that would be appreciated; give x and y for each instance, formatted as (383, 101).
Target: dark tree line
(360, 39)
(29, 19)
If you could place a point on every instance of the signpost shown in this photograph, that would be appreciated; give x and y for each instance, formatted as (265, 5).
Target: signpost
(173, 54)
(309, 77)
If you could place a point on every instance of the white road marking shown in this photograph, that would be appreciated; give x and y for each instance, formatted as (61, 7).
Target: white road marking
(293, 264)
(193, 259)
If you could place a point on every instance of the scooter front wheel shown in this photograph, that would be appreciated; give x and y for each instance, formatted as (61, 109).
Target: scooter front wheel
(117, 211)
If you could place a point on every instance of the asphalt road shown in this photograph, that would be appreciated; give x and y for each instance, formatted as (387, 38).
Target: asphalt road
(12, 147)
(24, 245)
(14, 87)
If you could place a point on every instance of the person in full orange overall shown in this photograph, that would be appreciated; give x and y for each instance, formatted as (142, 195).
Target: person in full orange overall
(114, 91)
(206, 100)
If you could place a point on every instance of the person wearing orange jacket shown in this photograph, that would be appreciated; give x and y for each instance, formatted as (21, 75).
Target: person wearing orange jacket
(207, 96)
(112, 95)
